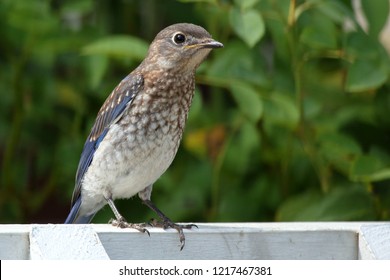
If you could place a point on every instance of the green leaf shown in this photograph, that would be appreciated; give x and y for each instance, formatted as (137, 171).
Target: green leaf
(245, 4)
(359, 45)
(339, 150)
(340, 144)
(376, 13)
(238, 62)
(316, 38)
(97, 66)
(248, 100)
(368, 168)
(69, 97)
(199, 1)
(280, 109)
(370, 67)
(298, 207)
(320, 34)
(82, 6)
(248, 25)
(337, 11)
(242, 149)
(33, 17)
(365, 74)
(341, 204)
(118, 46)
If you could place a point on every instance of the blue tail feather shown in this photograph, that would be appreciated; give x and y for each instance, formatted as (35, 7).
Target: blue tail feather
(75, 218)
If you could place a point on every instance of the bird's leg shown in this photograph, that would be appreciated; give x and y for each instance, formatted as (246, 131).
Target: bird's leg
(167, 223)
(121, 222)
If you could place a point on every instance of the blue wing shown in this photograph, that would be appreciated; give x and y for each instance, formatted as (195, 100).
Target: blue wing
(111, 111)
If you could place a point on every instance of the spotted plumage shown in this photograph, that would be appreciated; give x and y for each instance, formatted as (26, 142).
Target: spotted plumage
(138, 129)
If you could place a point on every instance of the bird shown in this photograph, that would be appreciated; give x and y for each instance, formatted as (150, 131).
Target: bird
(139, 127)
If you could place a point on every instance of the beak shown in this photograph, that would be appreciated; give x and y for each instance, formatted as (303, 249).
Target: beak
(209, 44)
(212, 44)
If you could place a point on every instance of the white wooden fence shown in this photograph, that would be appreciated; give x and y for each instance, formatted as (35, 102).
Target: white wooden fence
(341, 240)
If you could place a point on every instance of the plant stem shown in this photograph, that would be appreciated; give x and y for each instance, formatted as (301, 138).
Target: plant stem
(303, 130)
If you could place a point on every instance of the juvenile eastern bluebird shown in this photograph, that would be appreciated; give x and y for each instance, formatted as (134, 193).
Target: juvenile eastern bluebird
(138, 129)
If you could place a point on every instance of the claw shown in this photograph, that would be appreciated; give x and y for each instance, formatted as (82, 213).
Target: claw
(121, 223)
(166, 223)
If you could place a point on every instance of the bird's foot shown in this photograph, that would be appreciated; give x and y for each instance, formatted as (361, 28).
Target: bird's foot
(122, 223)
(167, 223)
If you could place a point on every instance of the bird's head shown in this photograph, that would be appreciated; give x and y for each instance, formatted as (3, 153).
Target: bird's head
(181, 46)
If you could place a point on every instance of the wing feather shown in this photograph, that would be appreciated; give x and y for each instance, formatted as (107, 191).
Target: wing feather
(111, 111)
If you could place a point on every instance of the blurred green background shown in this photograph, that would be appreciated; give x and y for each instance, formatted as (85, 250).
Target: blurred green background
(291, 120)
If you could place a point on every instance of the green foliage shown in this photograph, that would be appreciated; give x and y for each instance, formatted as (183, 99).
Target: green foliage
(118, 46)
(377, 13)
(248, 100)
(349, 203)
(248, 24)
(289, 122)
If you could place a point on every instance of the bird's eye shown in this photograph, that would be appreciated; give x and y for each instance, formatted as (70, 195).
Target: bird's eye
(179, 38)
